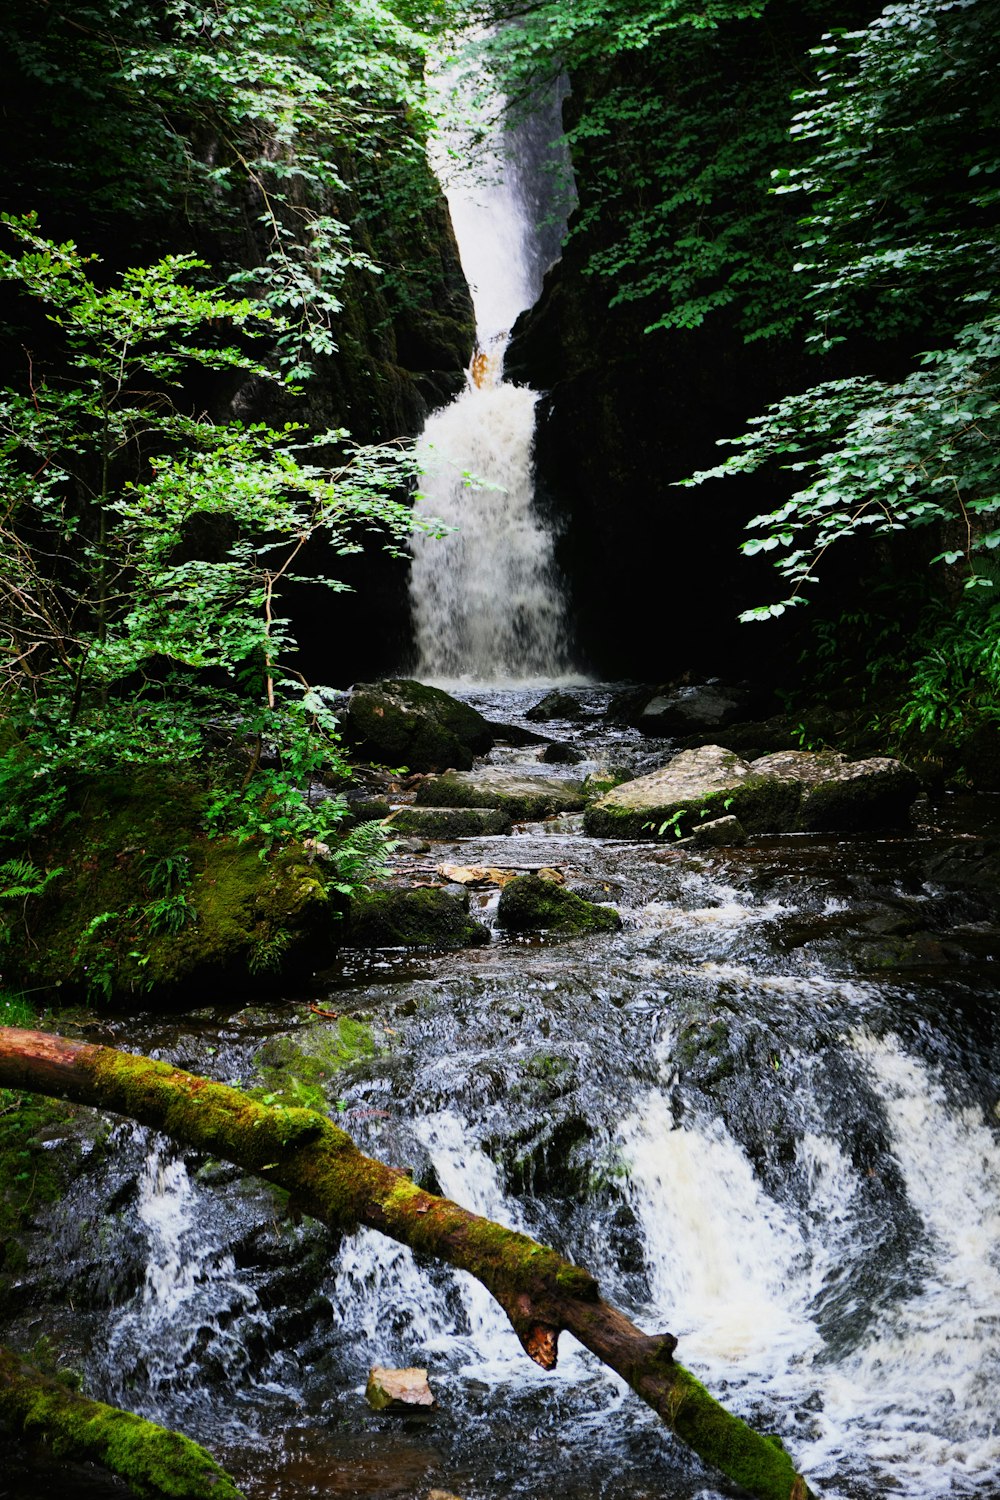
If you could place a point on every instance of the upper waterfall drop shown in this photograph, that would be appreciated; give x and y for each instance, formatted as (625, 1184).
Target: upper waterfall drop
(487, 601)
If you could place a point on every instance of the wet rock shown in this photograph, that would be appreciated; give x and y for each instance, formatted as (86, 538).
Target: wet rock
(691, 788)
(559, 753)
(754, 738)
(842, 794)
(520, 795)
(532, 904)
(448, 822)
(792, 789)
(397, 1389)
(695, 709)
(555, 705)
(970, 865)
(404, 723)
(427, 918)
(718, 833)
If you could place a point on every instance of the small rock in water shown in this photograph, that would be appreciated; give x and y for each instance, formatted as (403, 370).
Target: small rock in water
(555, 705)
(396, 1389)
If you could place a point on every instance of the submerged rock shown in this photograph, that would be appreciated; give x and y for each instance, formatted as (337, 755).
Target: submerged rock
(388, 1389)
(425, 918)
(448, 822)
(400, 722)
(533, 904)
(520, 795)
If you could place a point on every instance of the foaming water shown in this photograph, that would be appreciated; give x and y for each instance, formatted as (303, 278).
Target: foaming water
(486, 598)
(920, 1394)
(192, 1317)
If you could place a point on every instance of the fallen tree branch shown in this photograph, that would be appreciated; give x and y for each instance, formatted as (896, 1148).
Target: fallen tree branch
(331, 1180)
(152, 1460)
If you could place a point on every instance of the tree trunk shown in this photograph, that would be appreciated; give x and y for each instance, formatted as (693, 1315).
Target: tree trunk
(154, 1461)
(331, 1180)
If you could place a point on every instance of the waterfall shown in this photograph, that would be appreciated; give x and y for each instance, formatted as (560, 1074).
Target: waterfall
(486, 598)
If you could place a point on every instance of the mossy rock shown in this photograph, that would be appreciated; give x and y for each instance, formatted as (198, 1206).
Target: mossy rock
(300, 1069)
(448, 822)
(693, 788)
(521, 796)
(405, 723)
(838, 794)
(428, 918)
(94, 932)
(531, 904)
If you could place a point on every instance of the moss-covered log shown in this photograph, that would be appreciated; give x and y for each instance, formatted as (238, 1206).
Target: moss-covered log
(331, 1180)
(152, 1460)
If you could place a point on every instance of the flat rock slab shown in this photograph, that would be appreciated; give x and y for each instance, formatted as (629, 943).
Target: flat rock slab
(523, 797)
(448, 822)
(695, 786)
(790, 790)
(388, 1389)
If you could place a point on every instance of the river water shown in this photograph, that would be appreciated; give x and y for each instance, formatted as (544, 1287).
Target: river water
(764, 1114)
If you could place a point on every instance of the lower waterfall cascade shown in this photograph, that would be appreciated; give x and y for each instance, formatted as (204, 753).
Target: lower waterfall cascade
(748, 1127)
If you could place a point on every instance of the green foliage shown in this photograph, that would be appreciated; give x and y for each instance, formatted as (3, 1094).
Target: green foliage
(146, 545)
(678, 117)
(139, 114)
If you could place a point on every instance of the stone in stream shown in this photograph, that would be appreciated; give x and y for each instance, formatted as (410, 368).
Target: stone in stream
(534, 904)
(779, 793)
(555, 705)
(394, 1390)
(448, 822)
(400, 722)
(838, 793)
(520, 794)
(423, 918)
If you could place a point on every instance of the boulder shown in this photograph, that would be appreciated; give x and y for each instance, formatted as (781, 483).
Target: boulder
(399, 1389)
(690, 789)
(842, 794)
(791, 790)
(448, 822)
(533, 904)
(405, 723)
(555, 705)
(696, 709)
(718, 833)
(521, 795)
(424, 918)
(559, 753)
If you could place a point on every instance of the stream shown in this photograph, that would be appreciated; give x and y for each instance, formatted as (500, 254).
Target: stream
(764, 1114)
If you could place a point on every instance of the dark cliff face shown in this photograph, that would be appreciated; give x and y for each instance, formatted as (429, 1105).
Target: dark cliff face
(654, 571)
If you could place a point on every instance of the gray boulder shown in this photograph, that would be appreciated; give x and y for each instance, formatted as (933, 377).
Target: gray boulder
(790, 790)
(842, 794)
(692, 788)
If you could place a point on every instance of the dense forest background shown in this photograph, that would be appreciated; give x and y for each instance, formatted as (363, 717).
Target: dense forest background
(231, 295)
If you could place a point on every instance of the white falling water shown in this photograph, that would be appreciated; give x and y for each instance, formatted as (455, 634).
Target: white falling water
(735, 1274)
(192, 1303)
(486, 601)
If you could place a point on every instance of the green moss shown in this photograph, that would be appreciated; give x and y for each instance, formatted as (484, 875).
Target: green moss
(153, 1461)
(522, 803)
(402, 722)
(93, 931)
(428, 918)
(758, 1463)
(300, 1070)
(449, 822)
(30, 1174)
(531, 904)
